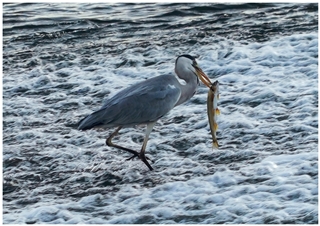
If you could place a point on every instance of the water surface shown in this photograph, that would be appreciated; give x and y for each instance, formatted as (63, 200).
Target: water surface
(60, 60)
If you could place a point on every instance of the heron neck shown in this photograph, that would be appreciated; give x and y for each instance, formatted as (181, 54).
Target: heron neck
(188, 89)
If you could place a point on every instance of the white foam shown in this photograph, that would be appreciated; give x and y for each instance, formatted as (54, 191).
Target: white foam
(265, 171)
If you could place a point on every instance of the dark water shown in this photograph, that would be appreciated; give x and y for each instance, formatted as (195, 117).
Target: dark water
(112, 28)
(60, 60)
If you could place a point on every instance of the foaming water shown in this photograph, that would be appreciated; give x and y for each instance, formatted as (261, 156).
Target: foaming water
(266, 170)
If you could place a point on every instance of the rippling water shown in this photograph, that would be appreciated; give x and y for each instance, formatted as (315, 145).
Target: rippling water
(61, 60)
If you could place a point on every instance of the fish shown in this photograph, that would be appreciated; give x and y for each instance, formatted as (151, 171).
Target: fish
(213, 111)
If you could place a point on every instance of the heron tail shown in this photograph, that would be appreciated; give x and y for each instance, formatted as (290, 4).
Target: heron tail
(93, 120)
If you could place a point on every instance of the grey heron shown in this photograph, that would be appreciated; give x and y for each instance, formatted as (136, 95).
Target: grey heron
(147, 101)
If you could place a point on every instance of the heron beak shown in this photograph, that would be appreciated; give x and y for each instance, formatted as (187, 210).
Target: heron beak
(203, 77)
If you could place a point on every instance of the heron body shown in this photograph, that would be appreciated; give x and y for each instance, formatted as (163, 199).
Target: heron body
(140, 103)
(147, 101)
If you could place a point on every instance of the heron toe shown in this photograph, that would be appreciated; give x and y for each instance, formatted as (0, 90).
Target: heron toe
(138, 155)
(143, 159)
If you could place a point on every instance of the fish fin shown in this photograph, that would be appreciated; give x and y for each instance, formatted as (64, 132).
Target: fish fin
(215, 126)
(215, 144)
(217, 111)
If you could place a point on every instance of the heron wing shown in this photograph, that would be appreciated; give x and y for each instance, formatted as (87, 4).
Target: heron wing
(141, 103)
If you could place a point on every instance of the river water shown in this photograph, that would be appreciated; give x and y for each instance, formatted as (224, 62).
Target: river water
(61, 60)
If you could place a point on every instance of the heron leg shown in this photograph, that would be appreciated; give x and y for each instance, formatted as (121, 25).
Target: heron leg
(141, 155)
(110, 144)
(144, 145)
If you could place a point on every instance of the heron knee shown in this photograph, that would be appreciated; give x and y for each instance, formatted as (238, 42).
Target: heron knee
(108, 142)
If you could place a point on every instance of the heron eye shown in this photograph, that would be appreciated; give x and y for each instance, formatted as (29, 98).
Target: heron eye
(195, 65)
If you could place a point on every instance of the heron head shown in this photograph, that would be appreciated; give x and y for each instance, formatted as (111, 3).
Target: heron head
(186, 64)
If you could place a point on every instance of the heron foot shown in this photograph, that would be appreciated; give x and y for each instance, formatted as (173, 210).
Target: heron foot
(132, 157)
(138, 155)
(143, 159)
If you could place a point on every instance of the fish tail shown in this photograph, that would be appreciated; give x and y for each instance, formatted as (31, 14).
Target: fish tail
(215, 144)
